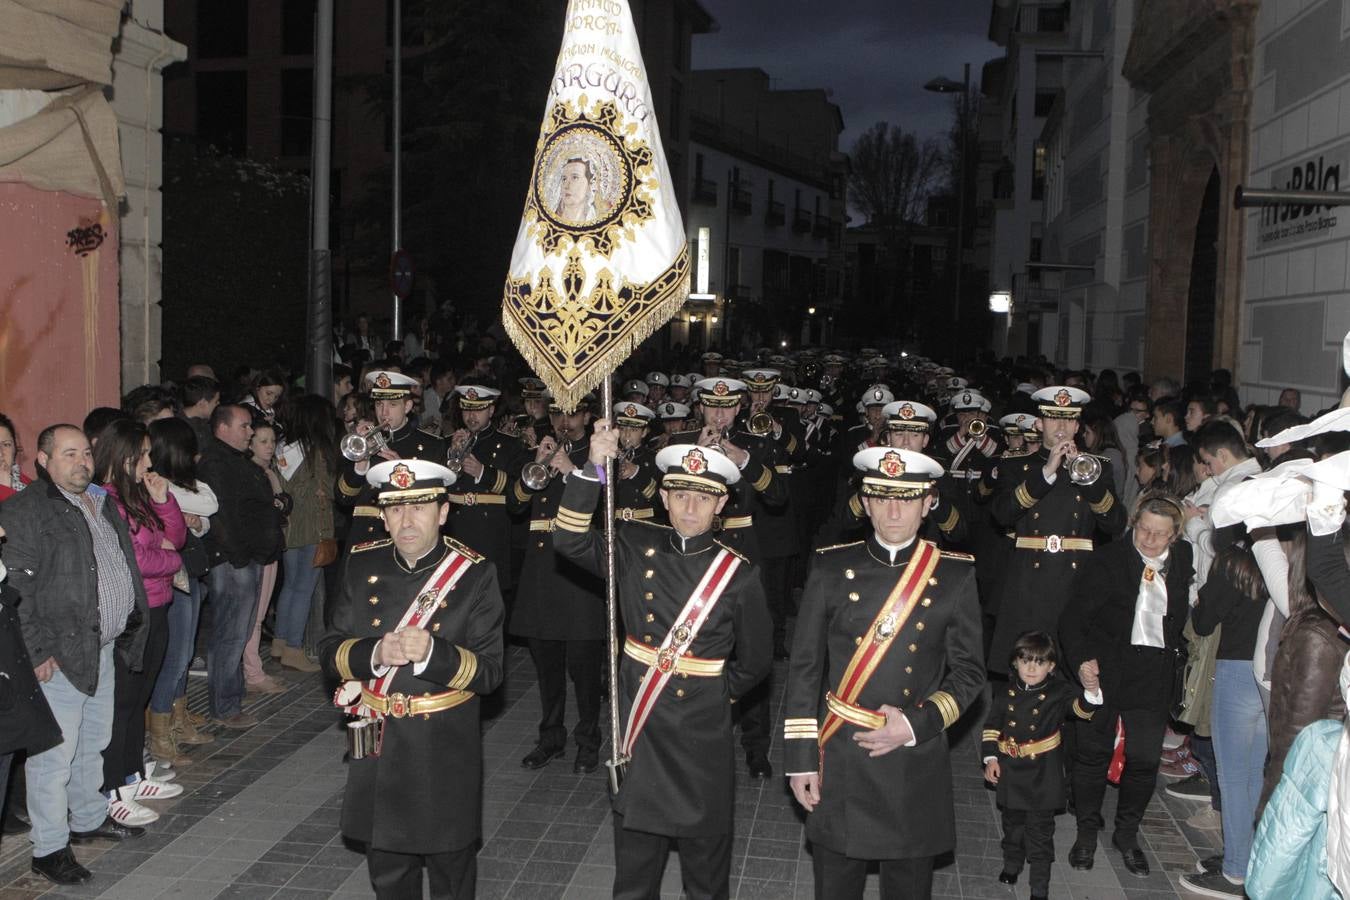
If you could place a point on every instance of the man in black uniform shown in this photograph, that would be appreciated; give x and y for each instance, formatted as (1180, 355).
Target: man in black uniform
(559, 607)
(488, 460)
(697, 638)
(759, 486)
(1054, 519)
(887, 648)
(392, 394)
(417, 638)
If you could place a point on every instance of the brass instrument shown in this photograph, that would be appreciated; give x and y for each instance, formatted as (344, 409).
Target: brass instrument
(977, 428)
(760, 424)
(454, 457)
(360, 447)
(536, 475)
(1084, 469)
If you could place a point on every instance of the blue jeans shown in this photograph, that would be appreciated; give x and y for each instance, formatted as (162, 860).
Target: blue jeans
(297, 589)
(184, 614)
(234, 603)
(67, 778)
(1238, 724)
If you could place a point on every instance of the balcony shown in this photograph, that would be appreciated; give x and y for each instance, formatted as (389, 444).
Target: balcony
(775, 215)
(705, 191)
(801, 221)
(740, 198)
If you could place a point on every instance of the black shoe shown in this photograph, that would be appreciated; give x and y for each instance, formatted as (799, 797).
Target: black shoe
(1134, 860)
(61, 868)
(1080, 855)
(1045, 896)
(587, 762)
(759, 764)
(16, 822)
(1210, 864)
(108, 831)
(1007, 876)
(541, 756)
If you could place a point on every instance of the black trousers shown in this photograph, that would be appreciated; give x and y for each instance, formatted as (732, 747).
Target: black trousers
(777, 577)
(554, 663)
(753, 712)
(1096, 741)
(398, 876)
(125, 753)
(840, 877)
(640, 859)
(1029, 835)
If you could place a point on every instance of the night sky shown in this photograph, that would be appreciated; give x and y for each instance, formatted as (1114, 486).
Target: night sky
(875, 54)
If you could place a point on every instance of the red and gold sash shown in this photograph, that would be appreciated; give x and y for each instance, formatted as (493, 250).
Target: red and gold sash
(887, 624)
(677, 643)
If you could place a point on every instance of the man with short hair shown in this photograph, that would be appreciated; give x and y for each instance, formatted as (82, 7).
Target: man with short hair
(698, 635)
(1162, 389)
(198, 396)
(1291, 398)
(1199, 410)
(887, 647)
(70, 558)
(342, 383)
(416, 640)
(1223, 452)
(1169, 419)
(238, 544)
(202, 370)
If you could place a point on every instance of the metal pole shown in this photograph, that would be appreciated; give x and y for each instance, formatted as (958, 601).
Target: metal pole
(961, 202)
(1250, 196)
(611, 590)
(319, 371)
(398, 154)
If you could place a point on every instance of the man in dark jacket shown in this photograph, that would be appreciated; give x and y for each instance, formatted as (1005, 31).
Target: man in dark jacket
(238, 545)
(71, 561)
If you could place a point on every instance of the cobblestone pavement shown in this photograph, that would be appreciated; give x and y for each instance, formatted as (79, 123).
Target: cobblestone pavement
(259, 819)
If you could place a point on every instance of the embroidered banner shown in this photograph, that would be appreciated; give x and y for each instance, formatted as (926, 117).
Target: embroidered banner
(600, 261)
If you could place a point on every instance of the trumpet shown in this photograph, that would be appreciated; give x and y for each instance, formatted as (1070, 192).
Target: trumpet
(360, 447)
(1084, 469)
(536, 475)
(454, 457)
(760, 424)
(977, 428)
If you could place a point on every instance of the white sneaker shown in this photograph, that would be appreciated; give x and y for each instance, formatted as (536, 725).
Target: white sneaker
(127, 811)
(159, 773)
(153, 789)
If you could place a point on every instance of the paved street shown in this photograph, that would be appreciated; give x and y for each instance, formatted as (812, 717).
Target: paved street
(259, 820)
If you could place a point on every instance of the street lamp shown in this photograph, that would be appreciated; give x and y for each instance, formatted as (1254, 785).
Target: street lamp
(944, 85)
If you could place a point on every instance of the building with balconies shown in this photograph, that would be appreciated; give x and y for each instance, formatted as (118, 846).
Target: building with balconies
(765, 213)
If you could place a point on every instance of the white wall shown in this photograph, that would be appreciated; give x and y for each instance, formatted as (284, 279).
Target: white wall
(137, 99)
(1296, 298)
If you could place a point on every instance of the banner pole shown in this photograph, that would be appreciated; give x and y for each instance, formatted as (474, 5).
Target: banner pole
(611, 590)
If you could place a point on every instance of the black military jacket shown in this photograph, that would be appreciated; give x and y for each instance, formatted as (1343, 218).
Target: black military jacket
(478, 513)
(409, 442)
(1038, 584)
(681, 778)
(1025, 714)
(898, 804)
(423, 793)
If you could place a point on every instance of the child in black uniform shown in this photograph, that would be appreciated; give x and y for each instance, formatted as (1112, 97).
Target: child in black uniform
(1022, 754)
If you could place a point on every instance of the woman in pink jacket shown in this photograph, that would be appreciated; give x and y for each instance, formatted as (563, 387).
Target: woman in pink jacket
(158, 530)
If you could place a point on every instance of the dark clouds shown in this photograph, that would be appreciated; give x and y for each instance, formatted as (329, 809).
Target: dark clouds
(874, 54)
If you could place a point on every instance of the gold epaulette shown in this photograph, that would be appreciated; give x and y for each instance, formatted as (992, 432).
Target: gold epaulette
(463, 550)
(837, 547)
(428, 433)
(964, 557)
(1016, 454)
(372, 545)
(732, 550)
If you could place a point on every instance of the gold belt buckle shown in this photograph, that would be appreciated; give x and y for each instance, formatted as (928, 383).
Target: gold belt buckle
(1053, 544)
(665, 660)
(717, 523)
(398, 705)
(470, 499)
(1011, 749)
(626, 513)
